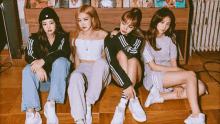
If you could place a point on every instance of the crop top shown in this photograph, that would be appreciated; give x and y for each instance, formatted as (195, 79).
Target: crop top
(89, 49)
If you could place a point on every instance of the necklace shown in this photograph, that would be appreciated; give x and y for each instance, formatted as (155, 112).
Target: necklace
(87, 46)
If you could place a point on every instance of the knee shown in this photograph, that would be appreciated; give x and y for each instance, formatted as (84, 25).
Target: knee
(73, 82)
(202, 88)
(132, 61)
(61, 62)
(27, 69)
(191, 75)
(121, 55)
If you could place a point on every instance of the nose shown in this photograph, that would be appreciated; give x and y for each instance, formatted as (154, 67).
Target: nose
(48, 26)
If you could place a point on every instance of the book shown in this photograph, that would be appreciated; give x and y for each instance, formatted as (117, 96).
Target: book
(53, 3)
(148, 3)
(95, 3)
(64, 3)
(75, 3)
(136, 3)
(170, 3)
(109, 3)
(38, 3)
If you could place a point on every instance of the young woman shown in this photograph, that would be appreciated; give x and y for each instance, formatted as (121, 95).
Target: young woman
(92, 71)
(163, 77)
(47, 56)
(123, 55)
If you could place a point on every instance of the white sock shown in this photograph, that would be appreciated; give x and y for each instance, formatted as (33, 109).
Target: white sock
(123, 101)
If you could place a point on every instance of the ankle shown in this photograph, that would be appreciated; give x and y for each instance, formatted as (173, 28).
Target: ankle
(195, 115)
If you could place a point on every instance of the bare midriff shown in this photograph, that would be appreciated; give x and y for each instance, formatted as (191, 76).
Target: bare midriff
(86, 61)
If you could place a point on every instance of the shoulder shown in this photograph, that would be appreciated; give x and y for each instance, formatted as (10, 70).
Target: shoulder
(33, 37)
(102, 34)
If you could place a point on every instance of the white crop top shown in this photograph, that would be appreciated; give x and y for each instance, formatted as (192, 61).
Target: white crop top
(89, 49)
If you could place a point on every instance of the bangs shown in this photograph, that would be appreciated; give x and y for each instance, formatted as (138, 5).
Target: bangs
(128, 18)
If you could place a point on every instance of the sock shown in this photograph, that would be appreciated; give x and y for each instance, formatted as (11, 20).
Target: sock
(123, 101)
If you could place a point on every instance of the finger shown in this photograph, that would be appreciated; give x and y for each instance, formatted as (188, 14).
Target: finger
(32, 63)
(45, 76)
(134, 92)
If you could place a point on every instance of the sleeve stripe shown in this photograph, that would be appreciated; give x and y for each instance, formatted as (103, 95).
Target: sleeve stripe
(61, 45)
(112, 69)
(30, 48)
(117, 76)
(123, 44)
(147, 56)
(107, 54)
(123, 38)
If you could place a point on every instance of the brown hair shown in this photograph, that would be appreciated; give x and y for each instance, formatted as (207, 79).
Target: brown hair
(135, 16)
(96, 25)
(152, 32)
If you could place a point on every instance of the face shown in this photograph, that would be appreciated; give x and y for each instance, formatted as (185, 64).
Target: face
(164, 25)
(126, 28)
(84, 21)
(49, 26)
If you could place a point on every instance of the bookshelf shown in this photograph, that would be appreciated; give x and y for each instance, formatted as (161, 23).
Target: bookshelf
(110, 18)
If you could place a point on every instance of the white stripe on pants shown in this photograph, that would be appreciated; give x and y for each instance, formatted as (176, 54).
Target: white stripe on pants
(98, 77)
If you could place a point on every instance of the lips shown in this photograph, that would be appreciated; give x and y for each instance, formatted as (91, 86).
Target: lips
(49, 30)
(83, 27)
(123, 32)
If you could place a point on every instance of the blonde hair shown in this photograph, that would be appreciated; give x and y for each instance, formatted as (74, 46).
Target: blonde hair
(96, 25)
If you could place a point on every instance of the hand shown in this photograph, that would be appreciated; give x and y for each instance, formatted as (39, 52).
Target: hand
(35, 65)
(129, 92)
(179, 90)
(114, 33)
(41, 74)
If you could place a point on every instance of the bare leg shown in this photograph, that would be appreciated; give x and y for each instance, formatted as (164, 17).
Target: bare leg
(172, 95)
(131, 67)
(190, 92)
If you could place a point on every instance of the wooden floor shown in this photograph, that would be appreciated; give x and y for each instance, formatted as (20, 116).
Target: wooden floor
(169, 112)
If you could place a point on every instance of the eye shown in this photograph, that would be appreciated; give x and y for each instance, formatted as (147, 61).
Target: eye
(86, 19)
(168, 24)
(52, 23)
(44, 24)
(131, 27)
(79, 20)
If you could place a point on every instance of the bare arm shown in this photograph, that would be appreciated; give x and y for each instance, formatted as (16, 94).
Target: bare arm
(173, 62)
(103, 54)
(76, 64)
(156, 67)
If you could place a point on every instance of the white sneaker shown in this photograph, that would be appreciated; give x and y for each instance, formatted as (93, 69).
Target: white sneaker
(198, 120)
(50, 114)
(119, 116)
(153, 97)
(136, 110)
(88, 114)
(32, 118)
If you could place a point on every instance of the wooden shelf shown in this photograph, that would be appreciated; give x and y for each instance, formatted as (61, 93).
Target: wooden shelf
(109, 18)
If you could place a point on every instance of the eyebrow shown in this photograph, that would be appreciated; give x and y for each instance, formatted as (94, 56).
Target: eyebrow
(83, 18)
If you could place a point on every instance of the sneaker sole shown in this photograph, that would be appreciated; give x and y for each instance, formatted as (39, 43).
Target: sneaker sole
(136, 117)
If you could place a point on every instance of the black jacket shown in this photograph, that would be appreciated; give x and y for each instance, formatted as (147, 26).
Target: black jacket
(59, 48)
(130, 45)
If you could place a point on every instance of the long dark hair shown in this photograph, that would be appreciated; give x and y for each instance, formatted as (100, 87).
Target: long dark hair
(135, 16)
(42, 37)
(152, 32)
(96, 25)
